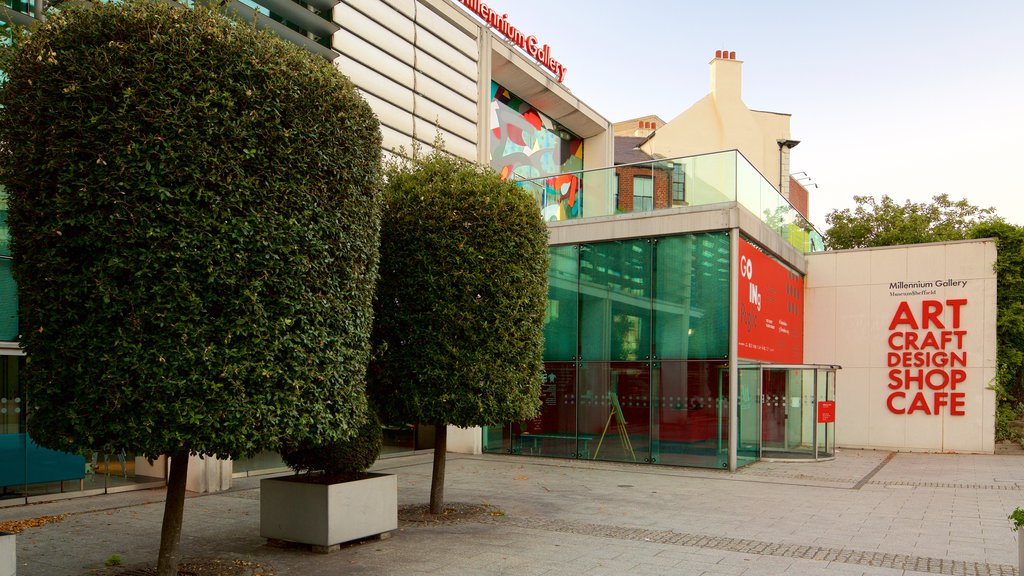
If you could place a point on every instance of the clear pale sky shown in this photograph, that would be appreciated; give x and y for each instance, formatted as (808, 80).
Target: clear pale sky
(907, 98)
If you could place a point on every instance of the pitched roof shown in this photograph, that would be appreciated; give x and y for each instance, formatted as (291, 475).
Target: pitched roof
(626, 151)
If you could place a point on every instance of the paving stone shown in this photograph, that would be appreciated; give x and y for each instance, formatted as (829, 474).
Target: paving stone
(919, 514)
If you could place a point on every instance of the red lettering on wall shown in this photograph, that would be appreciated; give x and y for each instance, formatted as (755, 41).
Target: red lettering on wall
(923, 357)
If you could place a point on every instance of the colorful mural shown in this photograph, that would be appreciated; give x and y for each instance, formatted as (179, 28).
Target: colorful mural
(527, 144)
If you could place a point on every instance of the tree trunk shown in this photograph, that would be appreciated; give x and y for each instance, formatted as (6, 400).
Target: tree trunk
(174, 508)
(437, 480)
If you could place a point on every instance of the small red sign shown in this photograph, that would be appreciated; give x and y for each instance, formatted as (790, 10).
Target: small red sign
(826, 412)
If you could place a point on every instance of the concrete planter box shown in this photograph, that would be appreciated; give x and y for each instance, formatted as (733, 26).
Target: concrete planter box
(8, 561)
(1020, 553)
(294, 509)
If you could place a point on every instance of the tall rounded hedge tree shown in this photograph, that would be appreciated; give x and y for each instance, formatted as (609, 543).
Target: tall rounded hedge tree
(459, 312)
(194, 212)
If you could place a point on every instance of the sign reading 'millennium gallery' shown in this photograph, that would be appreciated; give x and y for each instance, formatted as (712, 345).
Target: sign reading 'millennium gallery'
(529, 44)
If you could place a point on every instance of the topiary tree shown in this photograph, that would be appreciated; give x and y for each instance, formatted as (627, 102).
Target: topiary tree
(460, 305)
(194, 212)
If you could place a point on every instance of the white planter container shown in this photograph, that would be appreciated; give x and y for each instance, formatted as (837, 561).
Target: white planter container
(325, 515)
(8, 560)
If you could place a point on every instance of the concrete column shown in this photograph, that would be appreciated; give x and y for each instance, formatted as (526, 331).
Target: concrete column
(158, 469)
(465, 440)
(734, 373)
(208, 474)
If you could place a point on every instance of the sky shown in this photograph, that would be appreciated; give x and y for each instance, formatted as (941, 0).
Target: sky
(903, 98)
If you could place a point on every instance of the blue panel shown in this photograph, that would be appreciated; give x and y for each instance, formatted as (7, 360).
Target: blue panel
(44, 465)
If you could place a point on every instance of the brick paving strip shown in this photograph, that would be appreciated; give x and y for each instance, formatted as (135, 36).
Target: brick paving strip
(759, 547)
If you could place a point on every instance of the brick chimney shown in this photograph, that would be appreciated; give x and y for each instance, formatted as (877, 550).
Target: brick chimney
(726, 76)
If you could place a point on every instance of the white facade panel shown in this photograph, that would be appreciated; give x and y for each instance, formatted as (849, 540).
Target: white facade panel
(373, 58)
(390, 115)
(393, 140)
(443, 117)
(370, 31)
(443, 29)
(375, 83)
(442, 51)
(426, 130)
(376, 15)
(418, 69)
(914, 329)
(459, 104)
(406, 7)
(445, 75)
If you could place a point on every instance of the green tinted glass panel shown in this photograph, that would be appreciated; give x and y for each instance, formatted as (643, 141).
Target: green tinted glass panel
(749, 417)
(613, 411)
(8, 303)
(553, 431)
(691, 297)
(615, 300)
(8, 290)
(691, 413)
(563, 293)
(496, 439)
(5, 234)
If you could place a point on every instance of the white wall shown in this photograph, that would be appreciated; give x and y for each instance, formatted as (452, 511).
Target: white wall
(852, 298)
(416, 63)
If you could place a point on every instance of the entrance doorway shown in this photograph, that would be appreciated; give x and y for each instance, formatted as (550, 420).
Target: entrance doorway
(797, 407)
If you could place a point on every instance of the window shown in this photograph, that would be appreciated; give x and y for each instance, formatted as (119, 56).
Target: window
(643, 194)
(678, 185)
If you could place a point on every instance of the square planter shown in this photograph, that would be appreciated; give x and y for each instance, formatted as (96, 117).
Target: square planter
(8, 561)
(295, 509)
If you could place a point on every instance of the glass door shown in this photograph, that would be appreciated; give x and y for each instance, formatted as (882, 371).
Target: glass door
(825, 396)
(748, 447)
(797, 412)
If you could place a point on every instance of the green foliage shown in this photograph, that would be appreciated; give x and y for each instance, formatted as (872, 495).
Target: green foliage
(459, 312)
(348, 456)
(114, 560)
(195, 210)
(886, 223)
(1016, 518)
(1009, 305)
(1006, 414)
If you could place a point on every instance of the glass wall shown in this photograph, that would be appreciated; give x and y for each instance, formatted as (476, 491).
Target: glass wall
(8, 289)
(636, 354)
(699, 180)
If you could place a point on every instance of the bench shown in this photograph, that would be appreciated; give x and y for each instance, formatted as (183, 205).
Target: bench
(534, 441)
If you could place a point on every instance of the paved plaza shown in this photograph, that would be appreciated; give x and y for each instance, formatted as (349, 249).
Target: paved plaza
(866, 512)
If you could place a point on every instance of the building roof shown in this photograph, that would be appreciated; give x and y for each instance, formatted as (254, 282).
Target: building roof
(626, 151)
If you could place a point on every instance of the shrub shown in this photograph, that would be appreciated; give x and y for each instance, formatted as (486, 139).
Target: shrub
(341, 458)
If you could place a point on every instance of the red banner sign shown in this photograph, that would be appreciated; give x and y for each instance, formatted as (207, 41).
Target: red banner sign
(826, 412)
(771, 306)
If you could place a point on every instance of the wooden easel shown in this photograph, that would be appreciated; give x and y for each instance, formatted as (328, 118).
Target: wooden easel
(620, 424)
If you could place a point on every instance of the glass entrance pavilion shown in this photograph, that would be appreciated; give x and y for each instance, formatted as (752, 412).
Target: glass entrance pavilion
(645, 356)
